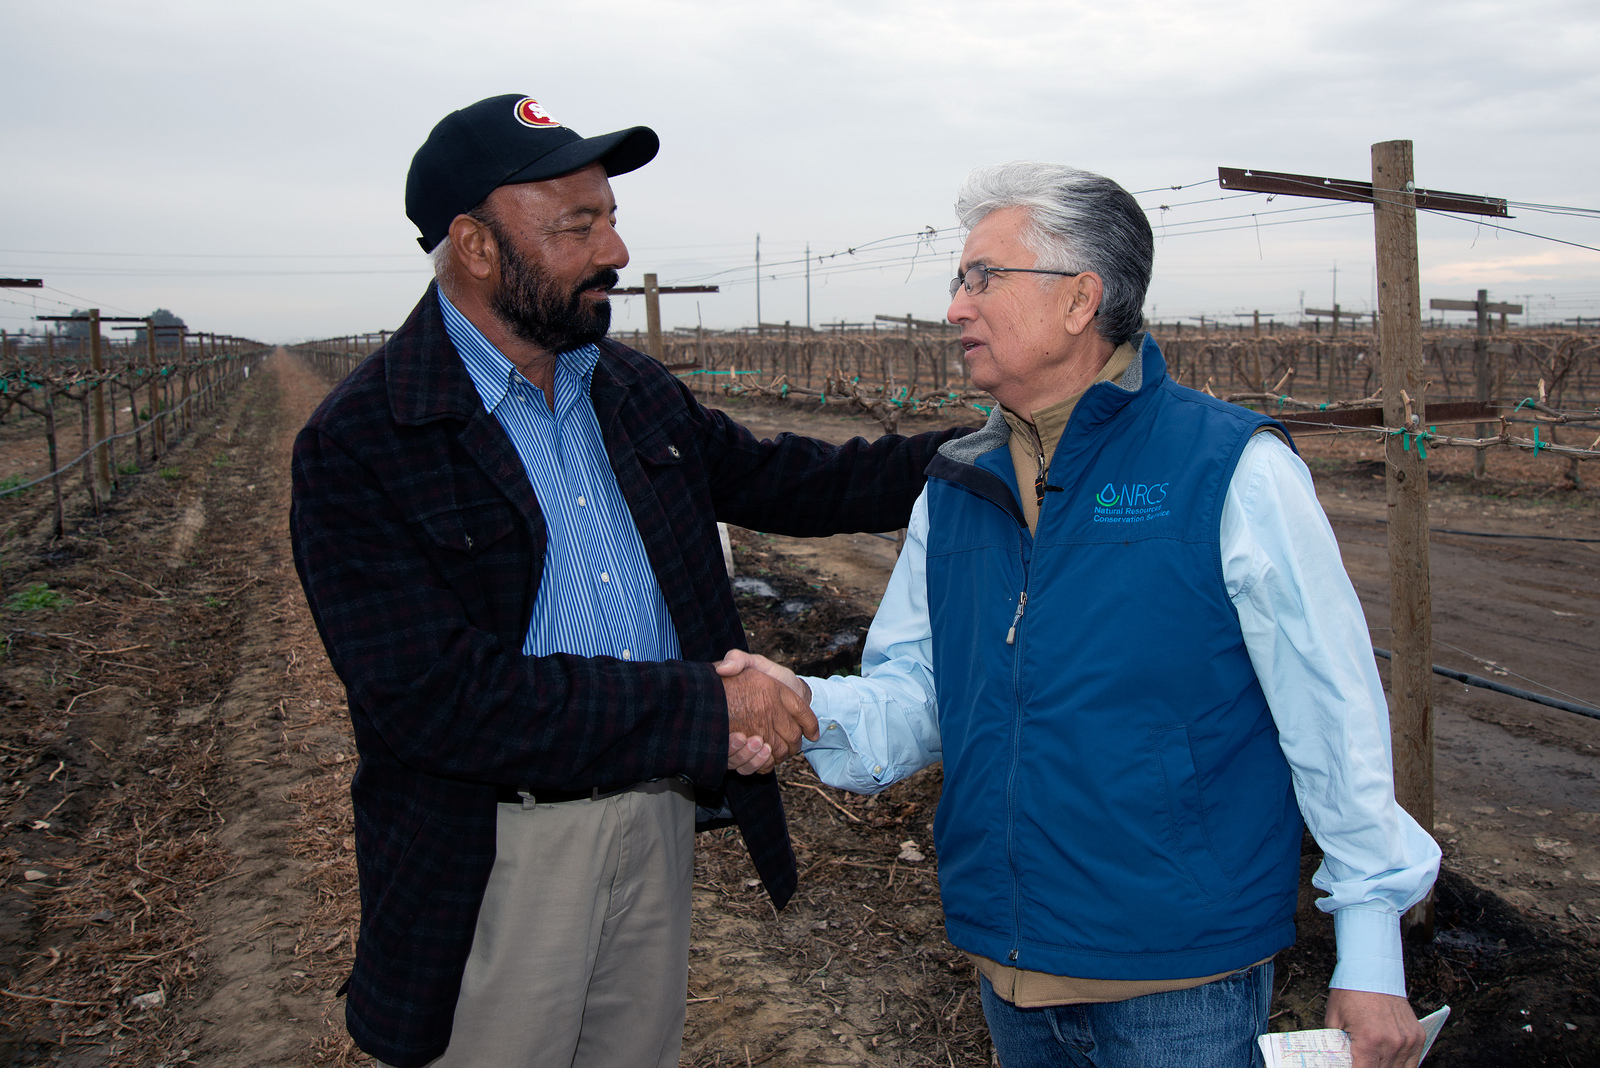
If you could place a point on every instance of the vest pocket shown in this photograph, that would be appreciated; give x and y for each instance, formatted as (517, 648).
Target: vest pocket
(1189, 838)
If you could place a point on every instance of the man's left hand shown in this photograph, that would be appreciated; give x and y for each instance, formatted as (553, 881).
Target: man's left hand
(1384, 1032)
(749, 756)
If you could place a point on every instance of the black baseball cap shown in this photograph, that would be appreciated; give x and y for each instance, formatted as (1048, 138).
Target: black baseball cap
(501, 141)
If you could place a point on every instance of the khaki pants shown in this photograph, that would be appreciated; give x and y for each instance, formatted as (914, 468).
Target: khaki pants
(581, 954)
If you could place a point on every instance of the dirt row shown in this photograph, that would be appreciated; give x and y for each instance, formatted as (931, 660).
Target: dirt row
(175, 759)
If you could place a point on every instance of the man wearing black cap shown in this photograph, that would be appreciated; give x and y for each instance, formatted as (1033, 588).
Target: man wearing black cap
(505, 526)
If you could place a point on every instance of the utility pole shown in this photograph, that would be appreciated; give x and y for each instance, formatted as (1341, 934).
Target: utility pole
(758, 285)
(1395, 199)
(808, 285)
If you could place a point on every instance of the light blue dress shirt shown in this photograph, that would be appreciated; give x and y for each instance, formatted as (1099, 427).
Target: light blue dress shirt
(598, 595)
(1307, 638)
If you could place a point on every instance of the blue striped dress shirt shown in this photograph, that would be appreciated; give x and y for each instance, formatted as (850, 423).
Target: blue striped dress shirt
(599, 595)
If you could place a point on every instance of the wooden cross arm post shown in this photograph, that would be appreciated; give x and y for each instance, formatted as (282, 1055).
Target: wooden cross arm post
(87, 318)
(1439, 304)
(652, 306)
(1395, 200)
(920, 324)
(1307, 185)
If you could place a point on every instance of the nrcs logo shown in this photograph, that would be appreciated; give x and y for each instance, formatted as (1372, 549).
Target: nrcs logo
(1132, 495)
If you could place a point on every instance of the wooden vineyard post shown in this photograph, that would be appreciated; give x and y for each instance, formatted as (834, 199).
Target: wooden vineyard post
(158, 437)
(1480, 370)
(188, 370)
(1410, 588)
(911, 358)
(102, 454)
(652, 315)
(133, 407)
(50, 433)
(179, 361)
(87, 463)
(651, 291)
(1395, 199)
(1480, 354)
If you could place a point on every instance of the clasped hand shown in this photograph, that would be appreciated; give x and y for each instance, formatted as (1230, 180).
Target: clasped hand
(769, 708)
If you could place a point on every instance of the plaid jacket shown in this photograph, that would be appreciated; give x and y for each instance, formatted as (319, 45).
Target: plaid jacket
(419, 542)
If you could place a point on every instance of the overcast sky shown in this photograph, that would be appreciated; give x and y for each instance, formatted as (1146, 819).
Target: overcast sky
(243, 163)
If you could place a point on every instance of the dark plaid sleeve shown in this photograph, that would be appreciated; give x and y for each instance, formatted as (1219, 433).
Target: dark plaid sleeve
(807, 488)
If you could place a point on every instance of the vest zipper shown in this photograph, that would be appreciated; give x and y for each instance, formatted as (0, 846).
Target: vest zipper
(1016, 748)
(1022, 604)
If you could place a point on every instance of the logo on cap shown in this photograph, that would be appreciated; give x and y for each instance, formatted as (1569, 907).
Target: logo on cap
(530, 113)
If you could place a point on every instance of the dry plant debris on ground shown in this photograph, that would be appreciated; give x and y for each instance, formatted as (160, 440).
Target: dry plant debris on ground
(175, 758)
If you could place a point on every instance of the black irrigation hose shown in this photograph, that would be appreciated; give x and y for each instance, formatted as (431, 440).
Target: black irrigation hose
(1487, 534)
(1468, 533)
(1500, 687)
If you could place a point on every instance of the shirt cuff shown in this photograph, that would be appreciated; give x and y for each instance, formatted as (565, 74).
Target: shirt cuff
(832, 756)
(1370, 957)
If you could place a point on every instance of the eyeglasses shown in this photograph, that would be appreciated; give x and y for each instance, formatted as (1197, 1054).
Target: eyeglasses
(976, 278)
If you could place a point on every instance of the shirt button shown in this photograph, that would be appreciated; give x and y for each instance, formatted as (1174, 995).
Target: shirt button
(626, 655)
(582, 503)
(833, 726)
(877, 769)
(604, 577)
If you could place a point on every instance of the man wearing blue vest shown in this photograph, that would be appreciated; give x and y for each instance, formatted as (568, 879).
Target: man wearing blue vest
(1149, 665)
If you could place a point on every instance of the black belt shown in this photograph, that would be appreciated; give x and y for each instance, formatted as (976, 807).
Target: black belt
(507, 795)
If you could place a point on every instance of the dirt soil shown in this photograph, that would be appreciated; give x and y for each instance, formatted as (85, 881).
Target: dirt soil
(174, 766)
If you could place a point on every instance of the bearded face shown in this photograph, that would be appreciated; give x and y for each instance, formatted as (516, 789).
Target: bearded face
(538, 309)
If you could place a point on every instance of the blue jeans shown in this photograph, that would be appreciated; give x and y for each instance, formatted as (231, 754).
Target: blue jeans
(1210, 1026)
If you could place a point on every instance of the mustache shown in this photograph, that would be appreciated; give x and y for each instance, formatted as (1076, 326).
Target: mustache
(606, 278)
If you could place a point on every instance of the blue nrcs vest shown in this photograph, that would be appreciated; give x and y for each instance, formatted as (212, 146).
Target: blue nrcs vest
(1116, 805)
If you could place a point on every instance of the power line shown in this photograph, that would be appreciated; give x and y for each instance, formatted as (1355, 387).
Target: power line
(90, 301)
(1514, 230)
(107, 272)
(1376, 199)
(1246, 215)
(1554, 209)
(1280, 222)
(1163, 188)
(221, 255)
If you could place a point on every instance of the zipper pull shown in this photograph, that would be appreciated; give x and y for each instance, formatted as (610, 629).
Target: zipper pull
(1022, 604)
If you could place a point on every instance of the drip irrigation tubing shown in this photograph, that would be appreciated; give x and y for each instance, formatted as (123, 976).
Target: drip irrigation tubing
(1500, 687)
(1469, 533)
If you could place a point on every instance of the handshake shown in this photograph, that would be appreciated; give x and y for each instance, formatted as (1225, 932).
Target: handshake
(769, 708)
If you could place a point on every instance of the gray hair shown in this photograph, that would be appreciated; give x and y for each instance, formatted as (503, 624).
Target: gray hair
(1077, 221)
(440, 255)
